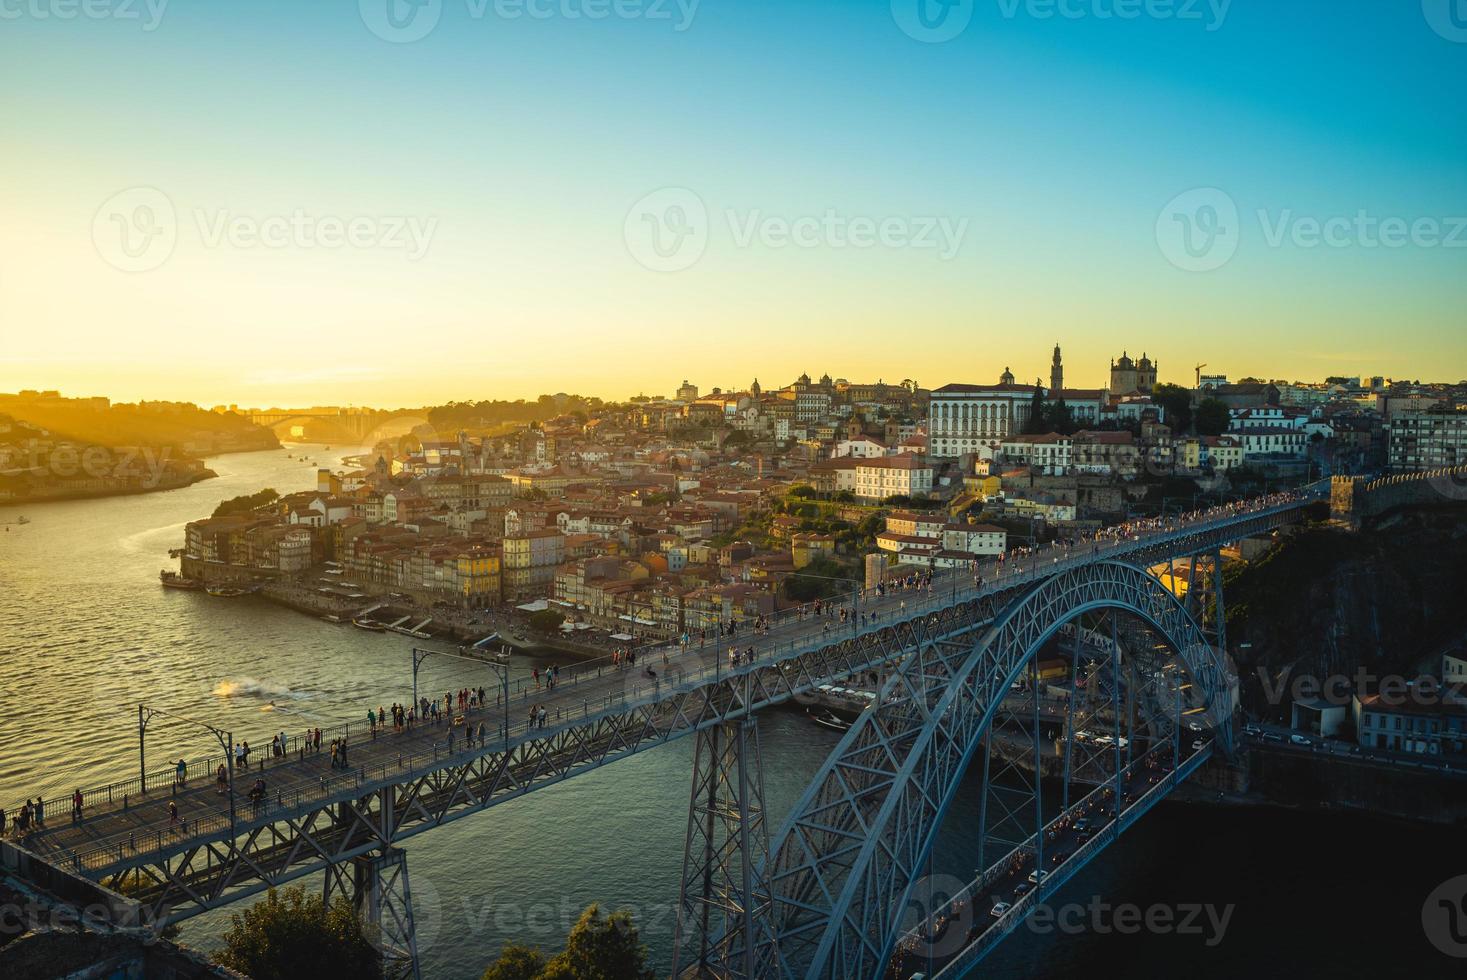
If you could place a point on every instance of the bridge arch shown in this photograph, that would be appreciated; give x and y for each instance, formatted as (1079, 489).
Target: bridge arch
(843, 866)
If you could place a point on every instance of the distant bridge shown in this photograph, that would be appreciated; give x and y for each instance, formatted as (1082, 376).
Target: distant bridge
(356, 425)
(828, 895)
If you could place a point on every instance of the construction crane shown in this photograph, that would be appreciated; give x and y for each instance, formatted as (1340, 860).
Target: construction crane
(1199, 374)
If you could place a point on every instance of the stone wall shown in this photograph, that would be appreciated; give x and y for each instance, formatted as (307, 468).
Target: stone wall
(1353, 498)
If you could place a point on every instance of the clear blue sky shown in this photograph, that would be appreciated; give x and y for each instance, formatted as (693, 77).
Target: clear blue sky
(1058, 142)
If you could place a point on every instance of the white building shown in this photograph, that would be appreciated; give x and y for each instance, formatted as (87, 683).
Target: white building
(862, 448)
(1049, 454)
(907, 475)
(976, 419)
(1427, 441)
(1258, 442)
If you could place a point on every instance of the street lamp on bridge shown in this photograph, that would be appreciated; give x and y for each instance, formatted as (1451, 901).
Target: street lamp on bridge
(225, 739)
(420, 655)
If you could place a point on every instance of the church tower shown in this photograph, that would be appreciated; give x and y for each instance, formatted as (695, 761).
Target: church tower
(1007, 378)
(1057, 371)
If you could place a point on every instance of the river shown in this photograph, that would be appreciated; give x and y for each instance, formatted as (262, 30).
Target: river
(86, 633)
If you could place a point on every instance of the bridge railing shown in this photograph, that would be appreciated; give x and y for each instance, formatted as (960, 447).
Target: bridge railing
(909, 606)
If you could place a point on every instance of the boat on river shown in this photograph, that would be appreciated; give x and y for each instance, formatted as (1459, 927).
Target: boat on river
(173, 580)
(367, 624)
(225, 593)
(829, 719)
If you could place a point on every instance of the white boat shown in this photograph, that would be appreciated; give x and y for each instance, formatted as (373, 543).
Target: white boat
(827, 719)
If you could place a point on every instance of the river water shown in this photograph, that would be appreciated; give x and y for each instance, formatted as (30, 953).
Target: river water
(86, 633)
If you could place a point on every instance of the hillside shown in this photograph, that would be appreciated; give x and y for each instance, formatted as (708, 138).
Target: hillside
(1328, 602)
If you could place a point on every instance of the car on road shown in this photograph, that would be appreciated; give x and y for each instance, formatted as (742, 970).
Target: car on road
(1000, 909)
(1299, 740)
(1036, 876)
(1082, 825)
(1193, 726)
(1252, 730)
(1022, 888)
(1197, 745)
(1272, 737)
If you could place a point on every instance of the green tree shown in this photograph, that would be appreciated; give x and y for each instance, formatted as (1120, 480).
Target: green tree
(289, 935)
(247, 504)
(802, 492)
(1177, 401)
(546, 620)
(1036, 424)
(1212, 418)
(598, 948)
(820, 579)
(516, 962)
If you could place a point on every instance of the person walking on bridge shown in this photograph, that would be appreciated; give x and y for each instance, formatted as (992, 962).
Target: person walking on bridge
(76, 806)
(180, 774)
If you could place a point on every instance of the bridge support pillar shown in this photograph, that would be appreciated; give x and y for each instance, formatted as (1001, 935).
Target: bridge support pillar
(727, 847)
(383, 899)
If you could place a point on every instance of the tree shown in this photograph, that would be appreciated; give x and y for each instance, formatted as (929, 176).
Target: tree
(1177, 401)
(247, 504)
(598, 948)
(516, 962)
(289, 935)
(803, 491)
(820, 579)
(1213, 418)
(546, 621)
(1036, 424)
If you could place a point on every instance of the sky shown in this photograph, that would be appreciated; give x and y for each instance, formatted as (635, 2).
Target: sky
(406, 202)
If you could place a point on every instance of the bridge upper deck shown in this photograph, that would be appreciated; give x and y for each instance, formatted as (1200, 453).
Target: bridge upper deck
(126, 825)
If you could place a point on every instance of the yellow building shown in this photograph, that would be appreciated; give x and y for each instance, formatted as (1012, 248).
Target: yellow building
(807, 548)
(477, 576)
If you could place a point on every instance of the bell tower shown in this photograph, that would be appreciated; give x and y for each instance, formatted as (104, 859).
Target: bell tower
(1057, 371)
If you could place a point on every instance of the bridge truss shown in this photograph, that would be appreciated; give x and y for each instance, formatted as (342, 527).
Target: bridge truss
(826, 898)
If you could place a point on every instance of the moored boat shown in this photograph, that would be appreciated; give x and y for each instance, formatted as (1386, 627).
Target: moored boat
(225, 593)
(173, 580)
(828, 719)
(367, 624)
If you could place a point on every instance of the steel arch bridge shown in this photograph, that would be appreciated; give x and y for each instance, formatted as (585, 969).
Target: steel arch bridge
(831, 897)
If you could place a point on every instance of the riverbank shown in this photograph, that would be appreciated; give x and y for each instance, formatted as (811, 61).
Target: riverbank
(65, 494)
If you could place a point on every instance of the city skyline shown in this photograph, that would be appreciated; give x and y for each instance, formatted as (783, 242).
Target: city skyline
(403, 233)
